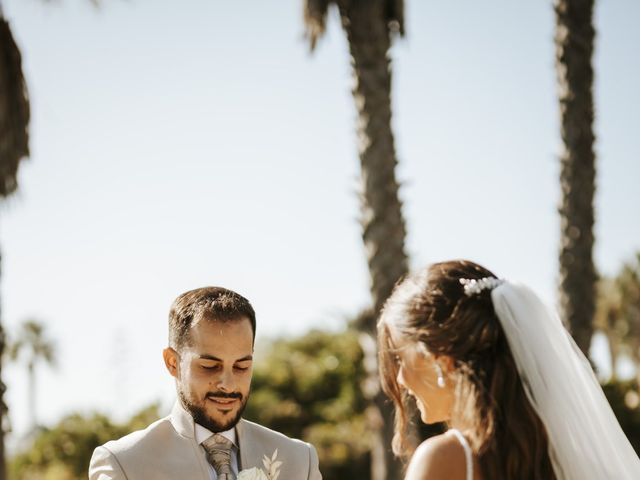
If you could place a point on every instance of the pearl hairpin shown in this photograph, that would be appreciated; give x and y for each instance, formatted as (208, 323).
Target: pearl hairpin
(475, 286)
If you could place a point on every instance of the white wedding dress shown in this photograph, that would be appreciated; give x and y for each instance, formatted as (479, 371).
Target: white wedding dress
(468, 454)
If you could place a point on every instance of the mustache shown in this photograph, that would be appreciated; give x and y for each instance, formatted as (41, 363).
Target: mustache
(237, 395)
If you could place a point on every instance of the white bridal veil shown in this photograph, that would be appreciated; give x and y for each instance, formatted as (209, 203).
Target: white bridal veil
(585, 439)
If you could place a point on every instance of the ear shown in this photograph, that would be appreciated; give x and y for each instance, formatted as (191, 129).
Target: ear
(171, 361)
(446, 363)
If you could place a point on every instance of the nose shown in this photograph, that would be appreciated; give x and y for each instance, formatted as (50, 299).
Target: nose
(226, 382)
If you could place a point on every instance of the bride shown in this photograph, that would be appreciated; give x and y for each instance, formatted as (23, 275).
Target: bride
(487, 357)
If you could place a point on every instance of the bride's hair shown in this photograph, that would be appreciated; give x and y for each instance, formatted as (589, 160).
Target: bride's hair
(490, 405)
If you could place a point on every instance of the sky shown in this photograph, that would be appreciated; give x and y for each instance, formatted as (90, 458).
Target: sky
(182, 144)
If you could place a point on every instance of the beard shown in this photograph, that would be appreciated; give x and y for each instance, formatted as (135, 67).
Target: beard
(199, 412)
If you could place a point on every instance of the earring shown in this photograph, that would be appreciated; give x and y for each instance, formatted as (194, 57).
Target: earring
(440, 374)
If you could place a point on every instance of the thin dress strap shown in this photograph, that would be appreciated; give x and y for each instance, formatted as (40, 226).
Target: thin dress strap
(467, 452)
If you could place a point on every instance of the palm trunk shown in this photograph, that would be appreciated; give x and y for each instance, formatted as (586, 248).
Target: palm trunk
(3, 412)
(613, 341)
(3, 405)
(383, 227)
(14, 146)
(613, 354)
(574, 48)
(32, 396)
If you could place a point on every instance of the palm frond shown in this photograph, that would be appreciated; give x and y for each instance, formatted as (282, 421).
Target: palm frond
(48, 354)
(32, 328)
(14, 111)
(33, 344)
(14, 349)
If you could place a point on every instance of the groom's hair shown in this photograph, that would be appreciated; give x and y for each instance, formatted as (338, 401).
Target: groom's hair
(212, 303)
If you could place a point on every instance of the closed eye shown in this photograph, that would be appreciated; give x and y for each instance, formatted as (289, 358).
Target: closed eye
(210, 367)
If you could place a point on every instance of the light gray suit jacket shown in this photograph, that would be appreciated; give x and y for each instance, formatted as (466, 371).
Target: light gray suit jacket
(167, 450)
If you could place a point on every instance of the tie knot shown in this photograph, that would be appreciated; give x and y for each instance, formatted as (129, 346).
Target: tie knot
(217, 441)
(218, 450)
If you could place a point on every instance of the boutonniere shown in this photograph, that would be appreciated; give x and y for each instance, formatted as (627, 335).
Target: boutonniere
(272, 465)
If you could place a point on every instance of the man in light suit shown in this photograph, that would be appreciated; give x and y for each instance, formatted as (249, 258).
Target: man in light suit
(210, 354)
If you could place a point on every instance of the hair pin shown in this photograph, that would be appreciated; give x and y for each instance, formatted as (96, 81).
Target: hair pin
(473, 286)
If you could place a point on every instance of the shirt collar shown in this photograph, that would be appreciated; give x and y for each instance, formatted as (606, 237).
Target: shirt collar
(203, 433)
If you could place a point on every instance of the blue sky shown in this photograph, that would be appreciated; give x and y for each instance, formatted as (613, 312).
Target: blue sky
(182, 144)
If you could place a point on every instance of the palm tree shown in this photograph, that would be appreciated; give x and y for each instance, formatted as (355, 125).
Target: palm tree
(33, 344)
(14, 146)
(574, 49)
(14, 111)
(370, 26)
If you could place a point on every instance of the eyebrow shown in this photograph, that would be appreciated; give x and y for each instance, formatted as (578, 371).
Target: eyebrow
(206, 356)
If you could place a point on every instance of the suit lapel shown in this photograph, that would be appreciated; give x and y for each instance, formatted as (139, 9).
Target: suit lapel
(184, 425)
(251, 452)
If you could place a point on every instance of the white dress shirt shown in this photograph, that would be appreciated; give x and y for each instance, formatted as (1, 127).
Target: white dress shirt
(202, 434)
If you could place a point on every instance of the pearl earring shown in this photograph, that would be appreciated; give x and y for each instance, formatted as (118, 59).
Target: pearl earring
(440, 374)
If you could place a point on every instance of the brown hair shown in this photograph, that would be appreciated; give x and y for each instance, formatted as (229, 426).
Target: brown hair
(216, 303)
(490, 405)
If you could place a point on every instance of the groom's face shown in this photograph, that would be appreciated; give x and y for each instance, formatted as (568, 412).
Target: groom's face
(213, 371)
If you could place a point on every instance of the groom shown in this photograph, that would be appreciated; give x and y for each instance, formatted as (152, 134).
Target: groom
(210, 355)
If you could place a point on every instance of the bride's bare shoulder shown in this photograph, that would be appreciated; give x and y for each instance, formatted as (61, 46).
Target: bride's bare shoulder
(441, 456)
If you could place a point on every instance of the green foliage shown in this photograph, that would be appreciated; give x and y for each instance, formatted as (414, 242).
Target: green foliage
(623, 398)
(306, 387)
(618, 312)
(63, 451)
(309, 388)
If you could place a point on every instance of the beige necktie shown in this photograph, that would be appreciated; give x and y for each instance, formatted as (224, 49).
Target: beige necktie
(218, 450)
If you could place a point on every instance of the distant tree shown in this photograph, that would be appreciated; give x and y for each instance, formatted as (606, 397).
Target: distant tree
(14, 147)
(34, 347)
(370, 26)
(63, 451)
(306, 387)
(623, 398)
(309, 387)
(606, 319)
(574, 39)
(618, 313)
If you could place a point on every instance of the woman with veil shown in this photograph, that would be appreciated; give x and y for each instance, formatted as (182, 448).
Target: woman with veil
(488, 358)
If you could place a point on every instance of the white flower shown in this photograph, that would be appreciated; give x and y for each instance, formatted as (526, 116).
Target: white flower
(271, 464)
(252, 474)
